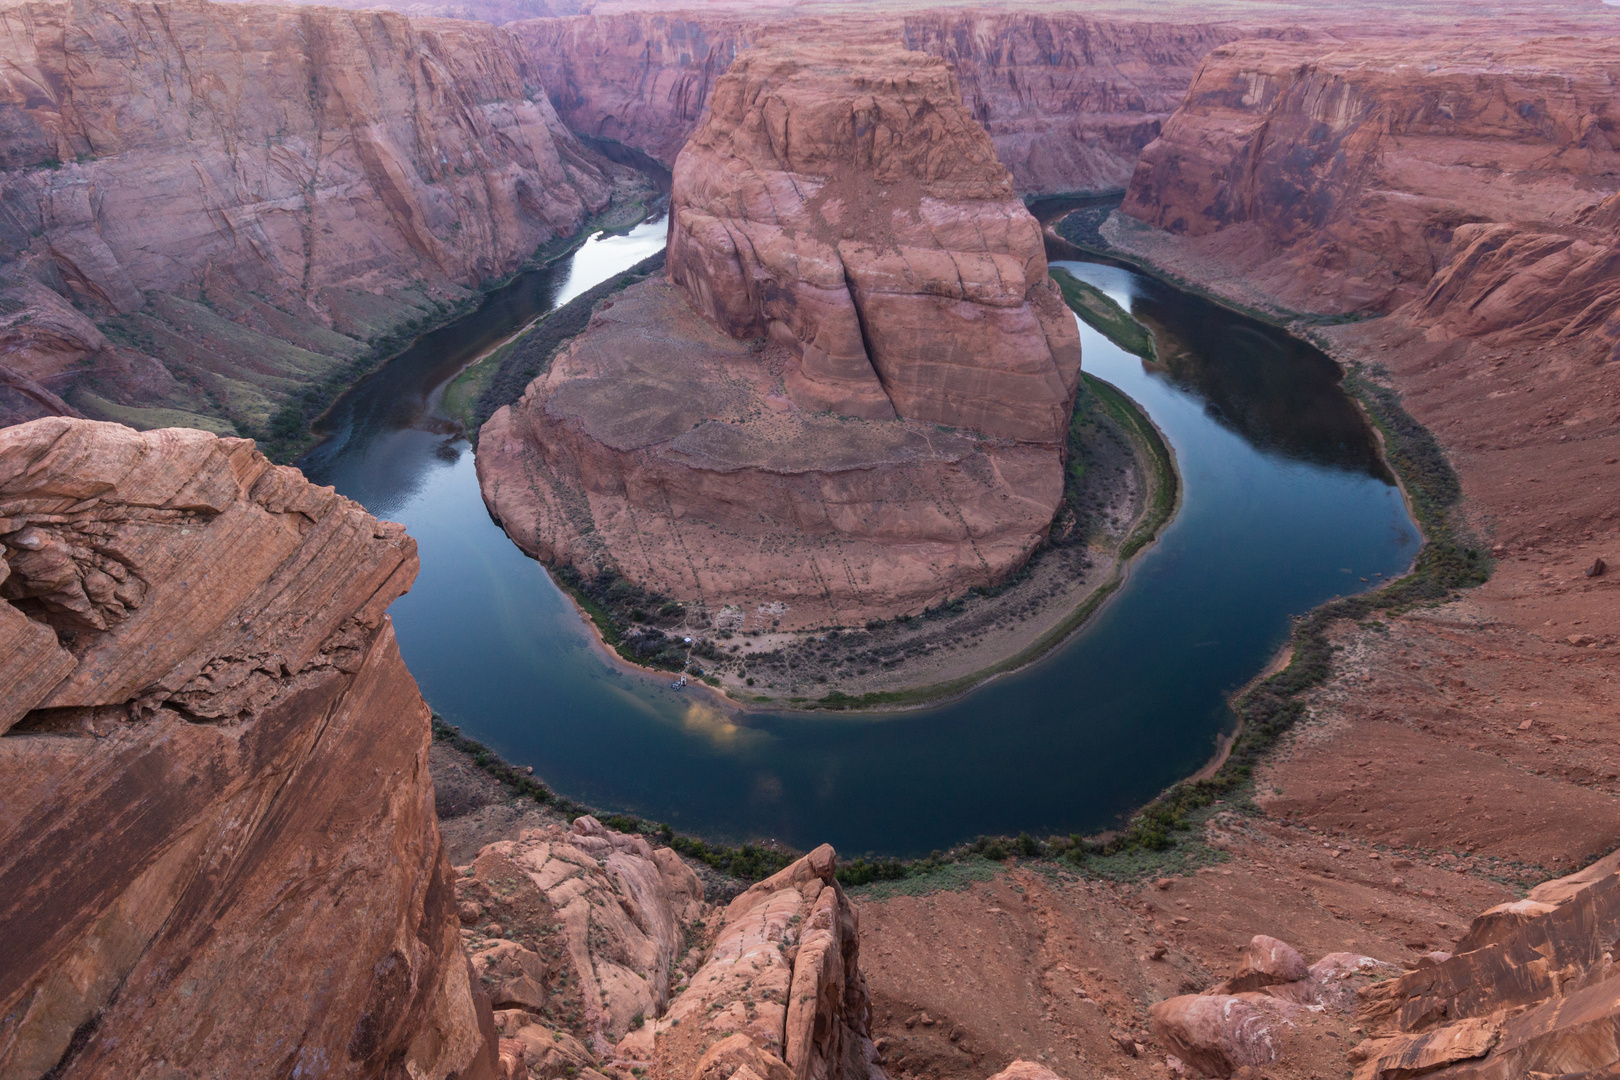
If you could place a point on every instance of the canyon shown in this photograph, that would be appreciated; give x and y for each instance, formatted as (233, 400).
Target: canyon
(220, 782)
(211, 210)
(1068, 99)
(850, 398)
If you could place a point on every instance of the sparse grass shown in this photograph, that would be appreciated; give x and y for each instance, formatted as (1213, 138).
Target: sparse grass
(1103, 315)
(942, 877)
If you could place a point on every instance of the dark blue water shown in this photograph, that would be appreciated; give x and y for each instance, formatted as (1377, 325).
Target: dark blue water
(1284, 506)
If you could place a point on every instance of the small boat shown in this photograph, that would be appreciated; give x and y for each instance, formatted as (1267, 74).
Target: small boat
(678, 683)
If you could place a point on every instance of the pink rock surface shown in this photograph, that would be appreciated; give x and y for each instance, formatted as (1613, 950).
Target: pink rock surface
(316, 173)
(1068, 99)
(214, 785)
(842, 202)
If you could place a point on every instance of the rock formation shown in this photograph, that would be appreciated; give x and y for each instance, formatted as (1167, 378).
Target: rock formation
(1068, 100)
(1340, 180)
(878, 421)
(598, 949)
(214, 794)
(314, 181)
(1538, 996)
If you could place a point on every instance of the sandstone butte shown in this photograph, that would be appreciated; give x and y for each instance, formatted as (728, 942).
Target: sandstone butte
(218, 849)
(209, 207)
(1068, 99)
(850, 398)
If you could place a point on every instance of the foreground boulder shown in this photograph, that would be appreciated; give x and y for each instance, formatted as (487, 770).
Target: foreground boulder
(780, 992)
(851, 397)
(1538, 994)
(214, 794)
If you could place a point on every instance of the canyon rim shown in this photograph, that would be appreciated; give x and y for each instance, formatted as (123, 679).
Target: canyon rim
(236, 842)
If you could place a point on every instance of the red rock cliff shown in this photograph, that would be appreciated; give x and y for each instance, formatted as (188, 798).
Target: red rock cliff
(1339, 179)
(217, 842)
(317, 176)
(843, 202)
(849, 269)
(1068, 100)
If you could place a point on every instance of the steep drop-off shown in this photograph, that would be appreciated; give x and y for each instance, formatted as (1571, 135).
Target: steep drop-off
(1068, 100)
(218, 848)
(248, 199)
(850, 399)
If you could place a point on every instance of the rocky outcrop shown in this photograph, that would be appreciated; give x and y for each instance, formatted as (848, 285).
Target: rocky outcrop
(1240, 1023)
(763, 437)
(1540, 996)
(780, 992)
(599, 951)
(843, 203)
(1068, 100)
(1340, 180)
(616, 910)
(213, 777)
(253, 195)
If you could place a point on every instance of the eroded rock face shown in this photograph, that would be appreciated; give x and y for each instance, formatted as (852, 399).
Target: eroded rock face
(618, 908)
(319, 177)
(780, 991)
(1339, 181)
(764, 434)
(1538, 993)
(213, 778)
(842, 202)
(1068, 100)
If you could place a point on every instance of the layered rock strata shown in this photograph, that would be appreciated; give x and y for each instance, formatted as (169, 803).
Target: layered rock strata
(1532, 994)
(843, 203)
(599, 951)
(1068, 100)
(313, 181)
(1341, 181)
(216, 820)
(853, 399)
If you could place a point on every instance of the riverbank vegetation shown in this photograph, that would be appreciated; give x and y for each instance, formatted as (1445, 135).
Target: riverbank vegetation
(1102, 314)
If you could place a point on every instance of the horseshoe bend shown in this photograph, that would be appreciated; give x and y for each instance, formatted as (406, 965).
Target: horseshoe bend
(1272, 649)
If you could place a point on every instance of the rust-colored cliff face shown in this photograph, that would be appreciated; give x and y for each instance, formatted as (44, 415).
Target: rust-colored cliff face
(1337, 181)
(842, 202)
(848, 270)
(1068, 100)
(251, 195)
(217, 841)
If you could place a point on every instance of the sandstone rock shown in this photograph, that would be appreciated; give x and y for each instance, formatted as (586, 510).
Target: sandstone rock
(217, 741)
(651, 438)
(1544, 963)
(1409, 1055)
(413, 163)
(1026, 1070)
(781, 981)
(881, 242)
(1068, 100)
(511, 976)
(622, 909)
(1216, 1034)
(1266, 962)
(708, 469)
(1337, 179)
(1597, 568)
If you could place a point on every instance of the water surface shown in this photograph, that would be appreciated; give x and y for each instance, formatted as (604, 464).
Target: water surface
(1284, 506)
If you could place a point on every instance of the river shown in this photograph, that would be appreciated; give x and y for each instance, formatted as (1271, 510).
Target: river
(1285, 505)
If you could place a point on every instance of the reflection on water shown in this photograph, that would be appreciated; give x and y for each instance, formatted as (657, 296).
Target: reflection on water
(1281, 511)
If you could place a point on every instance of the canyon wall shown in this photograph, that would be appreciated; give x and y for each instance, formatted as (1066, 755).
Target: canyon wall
(1337, 181)
(246, 197)
(218, 849)
(1068, 100)
(849, 400)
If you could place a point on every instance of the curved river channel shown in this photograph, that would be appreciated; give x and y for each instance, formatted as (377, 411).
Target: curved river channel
(1284, 506)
